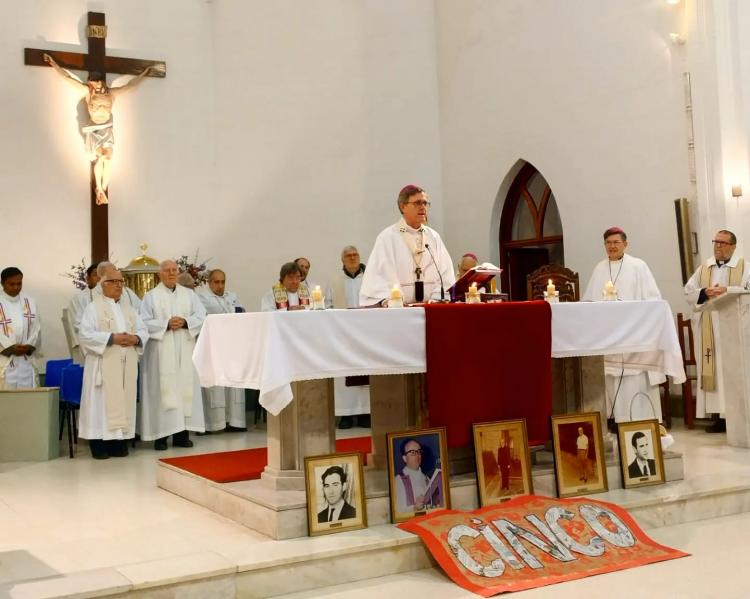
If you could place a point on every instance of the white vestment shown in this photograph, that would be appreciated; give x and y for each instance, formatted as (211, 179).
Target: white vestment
(419, 482)
(170, 393)
(393, 261)
(268, 302)
(19, 324)
(222, 404)
(349, 401)
(76, 306)
(711, 402)
(93, 420)
(634, 393)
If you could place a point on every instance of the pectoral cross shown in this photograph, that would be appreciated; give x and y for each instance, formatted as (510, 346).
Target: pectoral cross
(708, 354)
(418, 273)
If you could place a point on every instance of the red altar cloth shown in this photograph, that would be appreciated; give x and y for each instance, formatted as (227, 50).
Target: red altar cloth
(489, 362)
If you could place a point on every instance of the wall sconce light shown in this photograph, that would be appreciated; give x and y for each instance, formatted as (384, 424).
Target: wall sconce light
(736, 191)
(677, 39)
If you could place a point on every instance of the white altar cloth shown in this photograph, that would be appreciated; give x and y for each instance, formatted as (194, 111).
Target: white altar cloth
(269, 350)
(638, 335)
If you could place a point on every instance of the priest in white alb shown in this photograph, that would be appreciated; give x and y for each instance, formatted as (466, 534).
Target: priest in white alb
(410, 255)
(112, 336)
(725, 271)
(171, 402)
(20, 333)
(76, 306)
(223, 407)
(351, 394)
(289, 293)
(631, 394)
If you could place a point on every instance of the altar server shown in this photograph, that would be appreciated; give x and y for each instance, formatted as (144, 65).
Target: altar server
(171, 401)
(112, 337)
(408, 254)
(723, 272)
(20, 333)
(222, 406)
(631, 394)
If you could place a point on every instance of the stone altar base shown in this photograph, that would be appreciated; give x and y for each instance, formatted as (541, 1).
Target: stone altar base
(281, 514)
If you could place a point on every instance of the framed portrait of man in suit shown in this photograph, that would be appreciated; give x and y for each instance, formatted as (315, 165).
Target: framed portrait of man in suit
(641, 460)
(335, 493)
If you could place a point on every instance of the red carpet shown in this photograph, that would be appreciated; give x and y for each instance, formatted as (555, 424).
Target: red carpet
(247, 464)
(505, 371)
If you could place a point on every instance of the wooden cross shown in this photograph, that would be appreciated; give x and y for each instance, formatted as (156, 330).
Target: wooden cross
(96, 61)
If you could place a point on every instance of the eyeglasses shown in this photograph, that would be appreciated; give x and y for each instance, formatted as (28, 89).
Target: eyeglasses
(719, 242)
(421, 203)
(413, 452)
(115, 281)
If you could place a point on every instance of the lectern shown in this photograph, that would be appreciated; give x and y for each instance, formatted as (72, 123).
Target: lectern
(732, 318)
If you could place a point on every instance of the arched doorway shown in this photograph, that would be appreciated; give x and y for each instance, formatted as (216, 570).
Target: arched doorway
(531, 232)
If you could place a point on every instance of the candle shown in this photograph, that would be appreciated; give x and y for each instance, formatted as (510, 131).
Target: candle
(317, 294)
(550, 288)
(396, 293)
(473, 289)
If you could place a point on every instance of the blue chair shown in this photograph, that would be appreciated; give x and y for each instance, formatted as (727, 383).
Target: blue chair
(53, 378)
(54, 370)
(70, 400)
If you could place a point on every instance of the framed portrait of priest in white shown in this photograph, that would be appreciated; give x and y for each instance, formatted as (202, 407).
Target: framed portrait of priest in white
(580, 467)
(641, 459)
(335, 488)
(417, 472)
(501, 450)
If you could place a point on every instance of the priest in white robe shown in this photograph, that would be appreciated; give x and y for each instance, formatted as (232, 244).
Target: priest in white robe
(112, 337)
(171, 402)
(408, 254)
(289, 293)
(129, 297)
(224, 407)
(20, 333)
(76, 306)
(304, 270)
(725, 271)
(351, 394)
(631, 394)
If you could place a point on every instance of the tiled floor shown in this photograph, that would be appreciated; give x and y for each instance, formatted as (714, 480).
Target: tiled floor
(67, 516)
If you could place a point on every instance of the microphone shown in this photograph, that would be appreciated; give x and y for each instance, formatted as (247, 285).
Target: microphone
(437, 268)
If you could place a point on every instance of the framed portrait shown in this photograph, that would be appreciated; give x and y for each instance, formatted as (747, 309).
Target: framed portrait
(417, 472)
(580, 467)
(641, 460)
(503, 464)
(335, 488)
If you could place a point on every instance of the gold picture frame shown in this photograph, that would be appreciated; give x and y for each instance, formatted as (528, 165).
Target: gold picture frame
(335, 489)
(641, 459)
(417, 461)
(576, 472)
(501, 450)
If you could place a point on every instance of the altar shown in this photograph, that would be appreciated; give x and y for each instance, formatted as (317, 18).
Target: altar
(291, 358)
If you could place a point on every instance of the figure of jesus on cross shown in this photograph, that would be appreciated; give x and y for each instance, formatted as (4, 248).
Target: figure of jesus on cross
(98, 134)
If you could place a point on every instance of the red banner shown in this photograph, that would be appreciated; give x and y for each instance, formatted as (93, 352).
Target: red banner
(534, 541)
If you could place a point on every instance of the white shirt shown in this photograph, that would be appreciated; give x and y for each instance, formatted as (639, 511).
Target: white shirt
(393, 262)
(218, 304)
(582, 442)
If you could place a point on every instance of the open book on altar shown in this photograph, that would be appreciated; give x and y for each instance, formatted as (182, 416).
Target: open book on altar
(481, 274)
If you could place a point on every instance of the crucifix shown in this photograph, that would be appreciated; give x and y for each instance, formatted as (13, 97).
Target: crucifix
(98, 133)
(708, 354)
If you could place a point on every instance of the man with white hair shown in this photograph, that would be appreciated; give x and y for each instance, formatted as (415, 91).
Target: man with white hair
(112, 337)
(171, 401)
(129, 297)
(224, 407)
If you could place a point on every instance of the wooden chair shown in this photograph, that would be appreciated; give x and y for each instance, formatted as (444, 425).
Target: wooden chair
(685, 335)
(564, 279)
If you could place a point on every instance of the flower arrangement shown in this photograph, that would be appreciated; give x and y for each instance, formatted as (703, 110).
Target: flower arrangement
(197, 269)
(77, 272)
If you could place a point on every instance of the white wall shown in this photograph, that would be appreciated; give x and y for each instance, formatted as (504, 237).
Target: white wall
(590, 92)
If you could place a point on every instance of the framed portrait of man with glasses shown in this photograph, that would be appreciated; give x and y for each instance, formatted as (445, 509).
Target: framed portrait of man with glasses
(417, 472)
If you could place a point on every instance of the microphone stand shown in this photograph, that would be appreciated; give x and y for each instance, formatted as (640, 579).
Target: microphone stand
(437, 268)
